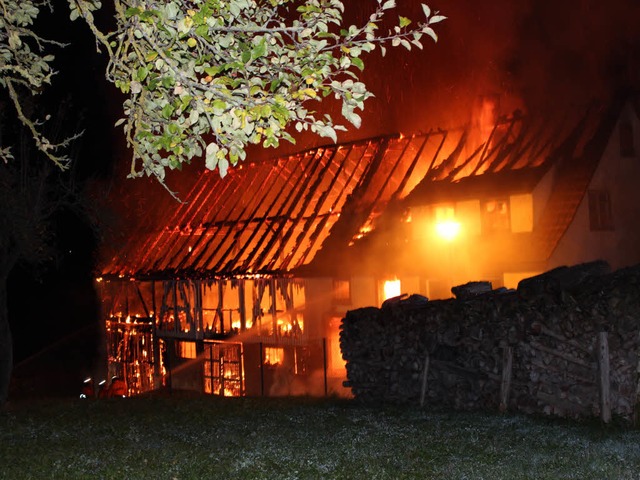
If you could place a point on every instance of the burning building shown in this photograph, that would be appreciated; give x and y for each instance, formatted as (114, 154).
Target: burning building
(242, 288)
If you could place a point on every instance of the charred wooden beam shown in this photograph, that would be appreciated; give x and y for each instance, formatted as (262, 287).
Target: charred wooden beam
(256, 245)
(316, 216)
(301, 207)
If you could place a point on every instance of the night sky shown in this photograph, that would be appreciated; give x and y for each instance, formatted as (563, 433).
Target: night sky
(53, 311)
(537, 56)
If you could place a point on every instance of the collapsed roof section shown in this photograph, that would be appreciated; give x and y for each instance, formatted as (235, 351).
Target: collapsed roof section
(301, 211)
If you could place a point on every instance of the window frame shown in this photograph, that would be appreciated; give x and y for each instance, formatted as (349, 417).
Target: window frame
(338, 294)
(600, 210)
(492, 223)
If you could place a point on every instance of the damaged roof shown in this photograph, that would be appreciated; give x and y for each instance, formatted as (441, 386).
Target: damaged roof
(296, 212)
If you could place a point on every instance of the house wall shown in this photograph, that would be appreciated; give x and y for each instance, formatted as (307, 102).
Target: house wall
(473, 254)
(497, 257)
(319, 305)
(541, 194)
(431, 263)
(521, 210)
(620, 176)
(363, 292)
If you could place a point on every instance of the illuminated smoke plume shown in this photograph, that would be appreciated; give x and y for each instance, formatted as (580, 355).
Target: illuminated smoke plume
(528, 55)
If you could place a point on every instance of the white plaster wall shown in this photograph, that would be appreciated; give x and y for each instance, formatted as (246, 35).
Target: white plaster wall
(541, 194)
(621, 177)
(319, 305)
(364, 292)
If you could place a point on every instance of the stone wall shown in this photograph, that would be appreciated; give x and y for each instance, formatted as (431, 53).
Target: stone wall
(565, 343)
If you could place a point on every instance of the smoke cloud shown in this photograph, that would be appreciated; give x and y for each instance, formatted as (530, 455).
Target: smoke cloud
(532, 55)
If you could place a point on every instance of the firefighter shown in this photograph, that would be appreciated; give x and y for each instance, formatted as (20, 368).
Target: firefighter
(118, 387)
(88, 390)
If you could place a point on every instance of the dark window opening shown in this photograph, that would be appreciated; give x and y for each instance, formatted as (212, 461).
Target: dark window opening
(600, 216)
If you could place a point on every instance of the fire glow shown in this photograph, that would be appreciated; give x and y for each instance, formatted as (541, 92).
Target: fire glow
(392, 288)
(448, 229)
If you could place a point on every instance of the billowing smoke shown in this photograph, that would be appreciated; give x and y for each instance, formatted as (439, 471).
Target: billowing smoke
(530, 55)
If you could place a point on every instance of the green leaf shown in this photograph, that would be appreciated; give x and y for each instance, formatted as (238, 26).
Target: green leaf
(132, 12)
(172, 10)
(211, 156)
(213, 71)
(203, 31)
(142, 73)
(259, 50)
(148, 15)
(429, 31)
(167, 111)
(223, 166)
(327, 131)
(404, 21)
(358, 63)
(235, 74)
(219, 104)
(389, 4)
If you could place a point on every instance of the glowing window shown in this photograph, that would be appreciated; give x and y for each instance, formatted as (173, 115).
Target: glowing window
(187, 350)
(342, 291)
(444, 213)
(391, 288)
(273, 356)
(448, 229)
(446, 225)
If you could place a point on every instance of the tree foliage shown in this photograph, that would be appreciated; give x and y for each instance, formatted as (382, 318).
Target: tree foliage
(207, 78)
(25, 65)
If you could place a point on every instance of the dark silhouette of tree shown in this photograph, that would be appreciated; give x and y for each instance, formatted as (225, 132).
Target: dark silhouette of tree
(32, 193)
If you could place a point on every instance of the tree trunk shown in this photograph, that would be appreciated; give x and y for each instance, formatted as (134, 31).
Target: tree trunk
(6, 344)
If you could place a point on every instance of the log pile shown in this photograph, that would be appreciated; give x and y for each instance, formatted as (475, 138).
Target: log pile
(537, 349)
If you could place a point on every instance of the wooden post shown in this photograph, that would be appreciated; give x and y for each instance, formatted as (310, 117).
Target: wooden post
(324, 365)
(273, 308)
(157, 370)
(603, 370)
(505, 385)
(220, 307)
(261, 370)
(425, 372)
(242, 306)
(636, 407)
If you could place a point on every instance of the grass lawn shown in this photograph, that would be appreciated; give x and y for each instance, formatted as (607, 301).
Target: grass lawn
(225, 438)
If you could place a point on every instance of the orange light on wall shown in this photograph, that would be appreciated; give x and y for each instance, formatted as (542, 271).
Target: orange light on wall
(446, 225)
(392, 288)
(448, 229)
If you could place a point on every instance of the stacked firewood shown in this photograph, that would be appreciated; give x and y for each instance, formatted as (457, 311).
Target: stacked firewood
(534, 349)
